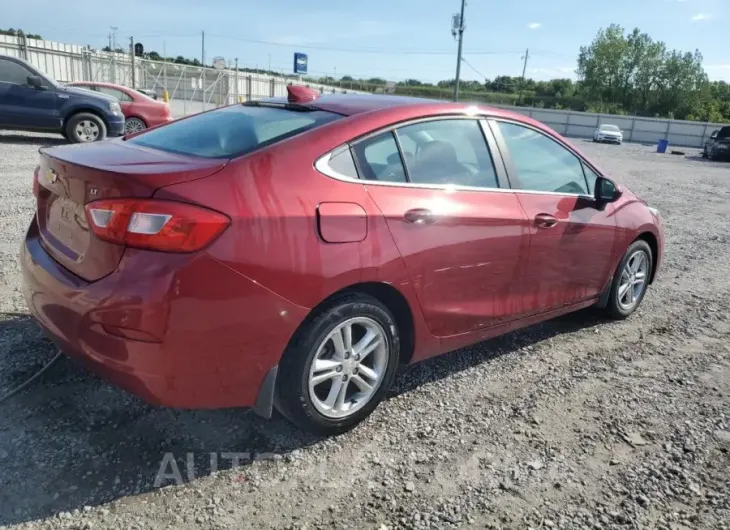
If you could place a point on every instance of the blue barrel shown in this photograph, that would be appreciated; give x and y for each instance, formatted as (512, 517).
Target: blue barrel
(662, 146)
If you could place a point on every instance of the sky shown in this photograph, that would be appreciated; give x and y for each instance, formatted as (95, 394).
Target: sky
(391, 39)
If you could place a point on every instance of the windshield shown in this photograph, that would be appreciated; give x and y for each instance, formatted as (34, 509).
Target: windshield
(232, 131)
(610, 128)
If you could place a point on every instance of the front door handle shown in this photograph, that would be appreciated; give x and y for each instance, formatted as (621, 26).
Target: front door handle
(420, 216)
(545, 220)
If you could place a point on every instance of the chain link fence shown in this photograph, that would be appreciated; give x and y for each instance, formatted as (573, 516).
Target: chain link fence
(190, 88)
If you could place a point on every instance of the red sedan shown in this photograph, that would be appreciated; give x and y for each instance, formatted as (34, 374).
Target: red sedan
(293, 253)
(140, 111)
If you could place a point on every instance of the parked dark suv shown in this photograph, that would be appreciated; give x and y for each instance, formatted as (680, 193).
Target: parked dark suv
(718, 146)
(30, 101)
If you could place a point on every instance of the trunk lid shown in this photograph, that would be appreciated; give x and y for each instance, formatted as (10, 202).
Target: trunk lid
(72, 176)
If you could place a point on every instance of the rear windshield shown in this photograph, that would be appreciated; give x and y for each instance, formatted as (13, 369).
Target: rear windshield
(232, 131)
(724, 132)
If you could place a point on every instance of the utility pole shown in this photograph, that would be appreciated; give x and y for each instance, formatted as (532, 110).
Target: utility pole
(131, 51)
(113, 46)
(235, 77)
(164, 67)
(524, 69)
(458, 29)
(202, 69)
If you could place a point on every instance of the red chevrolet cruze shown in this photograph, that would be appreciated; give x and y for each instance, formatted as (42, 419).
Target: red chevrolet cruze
(292, 253)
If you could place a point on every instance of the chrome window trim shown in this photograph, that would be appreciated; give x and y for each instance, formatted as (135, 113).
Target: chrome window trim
(322, 166)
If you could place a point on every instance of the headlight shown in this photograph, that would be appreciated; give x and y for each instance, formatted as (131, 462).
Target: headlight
(654, 211)
(722, 146)
(115, 107)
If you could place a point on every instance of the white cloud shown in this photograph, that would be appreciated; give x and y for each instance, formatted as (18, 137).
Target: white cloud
(534, 25)
(701, 16)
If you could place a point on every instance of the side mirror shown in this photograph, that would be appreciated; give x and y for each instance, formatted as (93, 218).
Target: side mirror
(606, 191)
(35, 82)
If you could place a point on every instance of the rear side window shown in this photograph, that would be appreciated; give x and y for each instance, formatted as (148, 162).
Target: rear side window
(444, 152)
(232, 131)
(113, 92)
(343, 163)
(380, 159)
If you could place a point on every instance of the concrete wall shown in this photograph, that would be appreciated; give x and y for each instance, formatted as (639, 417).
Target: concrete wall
(635, 129)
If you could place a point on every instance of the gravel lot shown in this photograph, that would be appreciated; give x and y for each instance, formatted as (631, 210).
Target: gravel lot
(576, 423)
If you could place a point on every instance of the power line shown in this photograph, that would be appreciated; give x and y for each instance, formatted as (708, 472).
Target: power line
(472, 67)
(385, 51)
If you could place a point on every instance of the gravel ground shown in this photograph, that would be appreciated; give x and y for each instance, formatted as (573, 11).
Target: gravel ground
(576, 423)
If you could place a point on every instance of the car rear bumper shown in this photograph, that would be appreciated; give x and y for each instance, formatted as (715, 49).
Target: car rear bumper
(175, 330)
(158, 120)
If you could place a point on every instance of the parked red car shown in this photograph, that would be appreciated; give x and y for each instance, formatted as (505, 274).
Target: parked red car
(293, 253)
(140, 111)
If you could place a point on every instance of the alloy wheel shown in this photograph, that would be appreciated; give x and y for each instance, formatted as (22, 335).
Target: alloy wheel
(633, 280)
(348, 367)
(134, 125)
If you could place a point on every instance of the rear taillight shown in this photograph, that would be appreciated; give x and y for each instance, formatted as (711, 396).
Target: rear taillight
(155, 224)
(36, 184)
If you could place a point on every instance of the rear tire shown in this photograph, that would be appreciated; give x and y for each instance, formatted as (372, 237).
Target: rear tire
(85, 128)
(323, 379)
(134, 125)
(626, 291)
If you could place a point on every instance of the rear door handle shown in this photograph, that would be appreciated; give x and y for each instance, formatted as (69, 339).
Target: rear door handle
(420, 216)
(545, 220)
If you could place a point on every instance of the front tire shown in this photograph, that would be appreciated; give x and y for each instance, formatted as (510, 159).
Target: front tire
(85, 128)
(630, 280)
(339, 365)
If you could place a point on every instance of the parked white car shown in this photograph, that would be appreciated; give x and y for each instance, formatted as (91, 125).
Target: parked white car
(608, 133)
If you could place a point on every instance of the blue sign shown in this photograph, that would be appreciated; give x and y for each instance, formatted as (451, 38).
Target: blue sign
(300, 63)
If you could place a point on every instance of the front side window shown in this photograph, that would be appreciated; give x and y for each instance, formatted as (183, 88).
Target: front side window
(591, 178)
(14, 73)
(542, 164)
(379, 159)
(447, 152)
(232, 131)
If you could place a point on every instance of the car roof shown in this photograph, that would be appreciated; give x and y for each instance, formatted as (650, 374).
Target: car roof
(352, 104)
(98, 83)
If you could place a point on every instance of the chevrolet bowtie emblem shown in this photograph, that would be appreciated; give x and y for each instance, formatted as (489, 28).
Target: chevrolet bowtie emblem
(52, 176)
